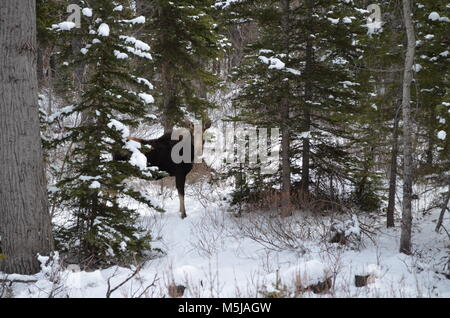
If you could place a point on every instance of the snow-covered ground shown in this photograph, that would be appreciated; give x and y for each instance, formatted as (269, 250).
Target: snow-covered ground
(215, 254)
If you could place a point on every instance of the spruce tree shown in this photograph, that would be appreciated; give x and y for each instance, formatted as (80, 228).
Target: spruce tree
(101, 228)
(318, 75)
(185, 40)
(433, 99)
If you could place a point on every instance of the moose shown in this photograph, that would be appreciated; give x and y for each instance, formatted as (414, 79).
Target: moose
(160, 155)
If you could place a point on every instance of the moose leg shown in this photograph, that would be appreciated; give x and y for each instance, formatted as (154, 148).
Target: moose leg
(180, 179)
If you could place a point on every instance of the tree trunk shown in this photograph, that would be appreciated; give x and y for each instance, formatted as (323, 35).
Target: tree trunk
(285, 134)
(169, 103)
(431, 136)
(405, 239)
(444, 209)
(80, 69)
(393, 174)
(25, 226)
(306, 151)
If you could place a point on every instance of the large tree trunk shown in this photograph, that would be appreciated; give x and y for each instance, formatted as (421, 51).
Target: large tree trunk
(25, 227)
(393, 173)
(405, 239)
(285, 133)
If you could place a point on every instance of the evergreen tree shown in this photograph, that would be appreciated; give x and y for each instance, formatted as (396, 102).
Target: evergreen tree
(318, 74)
(433, 99)
(431, 80)
(185, 39)
(101, 229)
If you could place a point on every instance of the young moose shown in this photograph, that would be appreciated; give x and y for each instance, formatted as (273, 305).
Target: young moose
(160, 155)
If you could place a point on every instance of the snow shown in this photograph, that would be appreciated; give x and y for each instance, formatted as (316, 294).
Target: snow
(120, 55)
(307, 273)
(139, 45)
(87, 12)
(334, 21)
(147, 98)
(209, 254)
(118, 8)
(276, 63)
(64, 26)
(138, 20)
(347, 20)
(63, 110)
(225, 4)
(138, 52)
(374, 27)
(346, 84)
(137, 159)
(417, 68)
(103, 30)
(119, 127)
(434, 16)
(95, 185)
(442, 135)
(144, 81)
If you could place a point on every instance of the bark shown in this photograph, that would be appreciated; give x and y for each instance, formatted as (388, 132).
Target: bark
(169, 96)
(285, 133)
(44, 70)
(81, 68)
(393, 174)
(430, 146)
(444, 209)
(405, 238)
(306, 152)
(25, 226)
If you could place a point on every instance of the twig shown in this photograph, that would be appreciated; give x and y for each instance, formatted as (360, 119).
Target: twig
(110, 291)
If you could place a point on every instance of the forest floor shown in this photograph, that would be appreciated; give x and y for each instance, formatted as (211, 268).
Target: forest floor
(213, 253)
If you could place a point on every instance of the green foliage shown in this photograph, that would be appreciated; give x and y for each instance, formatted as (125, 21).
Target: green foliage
(431, 89)
(185, 38)
(48, 12)
(316, 68)
(101, 229)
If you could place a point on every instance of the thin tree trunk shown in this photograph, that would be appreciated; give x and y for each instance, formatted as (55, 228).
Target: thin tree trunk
(393, 174)
(430, 146)
(168, 90)
(285, 134)
(405, 239)
(80, 69)
(25, 226)
(444, 209)
(306, 153)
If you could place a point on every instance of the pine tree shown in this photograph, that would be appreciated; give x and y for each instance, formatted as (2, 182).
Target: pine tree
(432, 94)
(382, 66)
(431, 79)
(185, 40)
(316, 77)
(101, 229)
